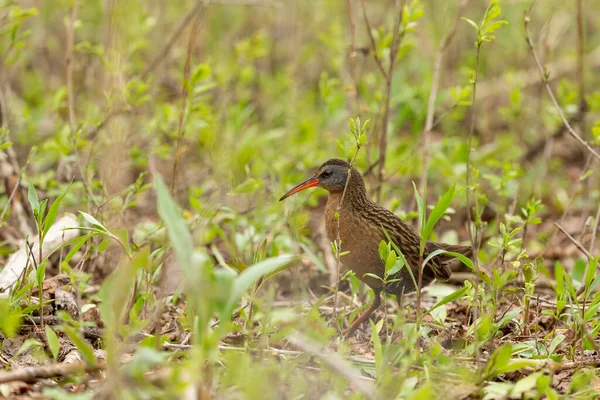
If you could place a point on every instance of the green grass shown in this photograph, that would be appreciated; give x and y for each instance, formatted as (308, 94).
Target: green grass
(203, 284)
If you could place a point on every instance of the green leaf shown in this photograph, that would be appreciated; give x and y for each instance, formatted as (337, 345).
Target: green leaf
(176, 227)
(377, 347)
(94, 222)
(383, 250)
(591, 272)
(10, 321)
(40, 274)
(514, 365)
(53, 212)
(494, 26)
(396, 268)
(472, 23)
(437, 213)
(559, 272)
(451, 297)
(85, 349)
(558, 339)
(371, 275)
(5, 146)
(53, 342)
(421, 209)
(251, 275)
(498, 361)
(465, 260)
(34, 201)
(391, 260)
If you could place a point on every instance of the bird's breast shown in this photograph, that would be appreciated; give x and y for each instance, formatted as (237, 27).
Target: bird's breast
(359, 237)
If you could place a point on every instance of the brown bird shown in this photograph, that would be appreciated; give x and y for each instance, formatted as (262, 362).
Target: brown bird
(360, 232)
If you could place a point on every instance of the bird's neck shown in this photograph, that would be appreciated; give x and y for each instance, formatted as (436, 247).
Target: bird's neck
(355, 197)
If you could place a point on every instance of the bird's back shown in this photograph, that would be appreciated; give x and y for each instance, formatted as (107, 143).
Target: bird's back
(408, 241)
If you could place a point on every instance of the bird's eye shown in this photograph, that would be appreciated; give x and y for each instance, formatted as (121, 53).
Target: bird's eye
(325, 174)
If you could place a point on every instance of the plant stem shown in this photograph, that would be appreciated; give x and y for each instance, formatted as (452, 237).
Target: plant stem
(435, 81)
(338, 240)
(184, 97)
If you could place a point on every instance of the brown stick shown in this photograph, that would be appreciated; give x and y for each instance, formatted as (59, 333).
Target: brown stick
(32, 374)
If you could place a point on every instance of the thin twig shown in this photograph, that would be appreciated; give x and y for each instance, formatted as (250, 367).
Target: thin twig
(184, 97)
(397, 37)
(544, 76)
(70, 60)
(576, 242)
(162, 54)
(373, 43)
(435, 81)
(473, 226)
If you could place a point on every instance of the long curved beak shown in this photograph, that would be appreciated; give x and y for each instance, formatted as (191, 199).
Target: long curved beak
(310, 182)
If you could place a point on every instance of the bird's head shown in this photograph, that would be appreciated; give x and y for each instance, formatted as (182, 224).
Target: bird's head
(331, 176)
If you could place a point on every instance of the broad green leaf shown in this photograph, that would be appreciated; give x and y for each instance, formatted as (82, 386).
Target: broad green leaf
(53, 342)
(85, 349)
(498, 361)
(437, 213)
(383, 250)
(555, 342)
(396, 268)
(391, 260)
(10, 322)
(526, 384)
(251, 275)
(179, 234)
(53, 212)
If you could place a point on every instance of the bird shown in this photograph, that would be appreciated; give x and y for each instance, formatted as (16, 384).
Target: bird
(362, 224)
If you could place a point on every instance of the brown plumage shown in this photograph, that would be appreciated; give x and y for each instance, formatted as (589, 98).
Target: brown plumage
(360, 229)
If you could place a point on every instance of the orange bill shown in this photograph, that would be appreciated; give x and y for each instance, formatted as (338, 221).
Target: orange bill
(310, 182)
